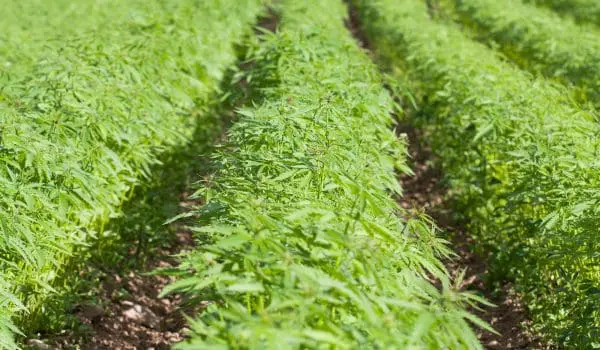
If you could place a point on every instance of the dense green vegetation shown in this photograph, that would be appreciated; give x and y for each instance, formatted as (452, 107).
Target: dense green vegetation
(300, 243)
(92, 93)
(521, 157)
(538, 39)
(582, 10)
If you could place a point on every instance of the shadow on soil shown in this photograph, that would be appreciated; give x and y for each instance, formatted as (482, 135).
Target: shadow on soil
(427, 191)
(109, 299)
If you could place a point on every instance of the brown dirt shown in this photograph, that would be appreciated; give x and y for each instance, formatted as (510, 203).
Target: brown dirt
(425, 191)
(130, 314)
(353, 25)
(269, 22)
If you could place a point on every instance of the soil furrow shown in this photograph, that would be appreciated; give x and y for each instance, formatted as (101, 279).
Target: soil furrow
(425, 191)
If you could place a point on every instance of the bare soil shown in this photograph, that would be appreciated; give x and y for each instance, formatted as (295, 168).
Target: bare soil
(130, 314)
(426, 191)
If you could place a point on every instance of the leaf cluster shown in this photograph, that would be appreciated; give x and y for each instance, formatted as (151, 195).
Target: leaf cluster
(584, 11)
(538, 39)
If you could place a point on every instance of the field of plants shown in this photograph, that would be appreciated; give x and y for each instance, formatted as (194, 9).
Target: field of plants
(296, 113)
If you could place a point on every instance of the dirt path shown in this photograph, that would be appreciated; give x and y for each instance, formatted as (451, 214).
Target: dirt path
(116, 302)
(130, 314)
(425, 191)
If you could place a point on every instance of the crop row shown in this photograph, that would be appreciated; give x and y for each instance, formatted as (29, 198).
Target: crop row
(28, 27)
(582, 10)
(538, 39)
(301, 242)
(521, 158)
(84, 113)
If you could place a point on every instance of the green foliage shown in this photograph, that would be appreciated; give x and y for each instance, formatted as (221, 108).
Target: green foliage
(539, 40)
(84, 114)
(582, 10)
(521, 157)
(300, 244)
